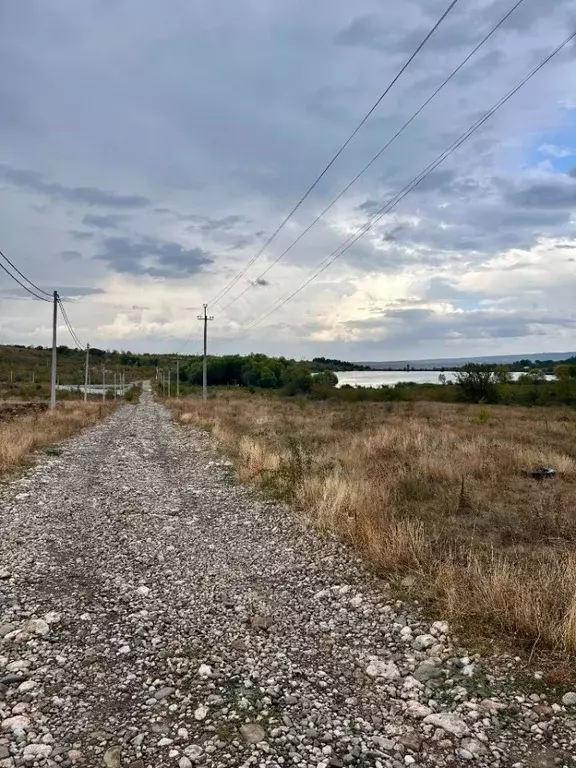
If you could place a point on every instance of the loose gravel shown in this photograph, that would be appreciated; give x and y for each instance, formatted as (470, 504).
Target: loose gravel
(155, 613)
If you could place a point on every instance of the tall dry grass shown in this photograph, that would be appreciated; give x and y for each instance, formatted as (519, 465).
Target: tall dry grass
(22, 435)
(434, 490)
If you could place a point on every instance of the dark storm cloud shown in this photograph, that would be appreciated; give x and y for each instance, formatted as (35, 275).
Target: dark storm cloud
(370, 31)
(559, 194)
(369, 206)
(474, 324)
(435, 181)
(35, 182)
(109, 221)
(260, 282)
(206, 225)
(79, 290)
(77, 235)
(149, 256)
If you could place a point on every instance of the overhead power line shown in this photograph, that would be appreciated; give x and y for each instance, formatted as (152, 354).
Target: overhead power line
(15, 268)
(20, 283)
(379, 154)
(393, 202)
(281, 226)
(70, 326)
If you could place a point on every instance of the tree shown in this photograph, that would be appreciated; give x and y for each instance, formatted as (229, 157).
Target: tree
(562, 372)
(267, 379)
(297, 380)
(326, 378)
(442, 379)
(502, 374)
(477, 385)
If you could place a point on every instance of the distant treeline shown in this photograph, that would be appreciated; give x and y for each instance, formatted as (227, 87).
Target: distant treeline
(20, 364)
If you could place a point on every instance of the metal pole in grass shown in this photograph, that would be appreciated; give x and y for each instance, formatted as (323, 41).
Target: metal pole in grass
(54, 359)
(205, 318)
(86, 372)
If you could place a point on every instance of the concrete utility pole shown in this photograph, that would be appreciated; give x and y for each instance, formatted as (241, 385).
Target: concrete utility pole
(104, 382)
(177, 378)
(86, 372)
(168, 382)
(53, 372)
(115, 388)
(205, 318)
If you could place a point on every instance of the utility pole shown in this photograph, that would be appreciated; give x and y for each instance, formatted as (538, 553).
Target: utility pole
(168, 382)
(104, 382)
(53, 372)
(178, 378)
(86, 372)
(205, 318)
(115, 388)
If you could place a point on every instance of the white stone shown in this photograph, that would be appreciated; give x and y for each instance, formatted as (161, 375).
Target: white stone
(194, 752)
(201, 712)
(124, 649)
(165, 742)
(143, 590)
(406, 632)
(37, 627)
(409, 760)
(52, 617)
(17, 666)
(17, 723)
(476, 748)
(441, 627)
(204, 670)
(465, 754)
(184, 762)
(422, 642)
(37, 750)
(417, 710)
(386, 669)
(252, 733)
(27, 685)
(182, 733)
(449, 722)
(468, 670)
(356, 601)
(113, 757)
(569, 699)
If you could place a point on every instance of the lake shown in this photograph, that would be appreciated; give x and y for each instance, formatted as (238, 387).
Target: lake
(377, 378)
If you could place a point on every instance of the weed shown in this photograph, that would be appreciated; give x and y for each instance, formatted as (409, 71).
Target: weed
(53, 450)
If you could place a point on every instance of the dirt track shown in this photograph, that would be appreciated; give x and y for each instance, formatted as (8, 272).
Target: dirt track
(155, 613)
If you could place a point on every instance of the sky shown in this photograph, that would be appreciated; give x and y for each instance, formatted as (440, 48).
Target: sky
(149, 150)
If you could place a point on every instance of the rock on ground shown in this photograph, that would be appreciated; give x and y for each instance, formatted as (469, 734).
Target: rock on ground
(166, 616)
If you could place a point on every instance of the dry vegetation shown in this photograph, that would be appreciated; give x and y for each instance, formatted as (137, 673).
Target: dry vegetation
(432, 490)
(21, 435)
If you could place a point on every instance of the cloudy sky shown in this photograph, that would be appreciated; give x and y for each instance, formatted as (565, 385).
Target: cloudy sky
(147, 150)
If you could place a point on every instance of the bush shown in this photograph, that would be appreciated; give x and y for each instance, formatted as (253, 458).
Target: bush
(326, 379)
(477, 385)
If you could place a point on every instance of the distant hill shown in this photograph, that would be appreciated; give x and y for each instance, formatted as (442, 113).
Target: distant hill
(456, 362)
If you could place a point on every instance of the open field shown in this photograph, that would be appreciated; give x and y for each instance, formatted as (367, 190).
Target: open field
(25, 428)
(435, 491)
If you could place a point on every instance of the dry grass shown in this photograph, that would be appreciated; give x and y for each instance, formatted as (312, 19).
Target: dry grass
(22, 435)
(434, 490)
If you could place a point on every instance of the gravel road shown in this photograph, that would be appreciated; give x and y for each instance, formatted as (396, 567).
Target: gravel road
(155, 613)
